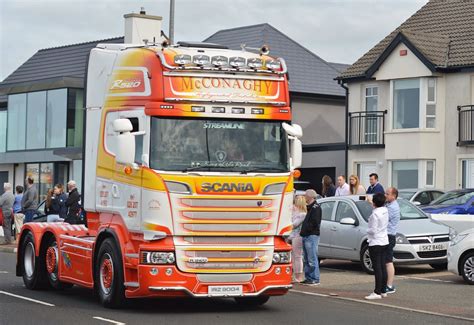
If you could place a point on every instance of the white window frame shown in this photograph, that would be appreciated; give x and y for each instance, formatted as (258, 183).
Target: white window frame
(422, 172)
(372, 86)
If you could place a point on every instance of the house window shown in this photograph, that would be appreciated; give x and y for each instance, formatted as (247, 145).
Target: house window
(431, 103)
(410, 174)
(36, 120)
(406, 104)
(75, 117)
(56, 118)
(371, 98)
(3, 130)
(16, 122)
(467, 173)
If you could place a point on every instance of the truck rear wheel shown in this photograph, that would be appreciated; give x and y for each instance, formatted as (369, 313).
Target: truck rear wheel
(33, 267)
(252, 301)
(52, 260)
(109, 275)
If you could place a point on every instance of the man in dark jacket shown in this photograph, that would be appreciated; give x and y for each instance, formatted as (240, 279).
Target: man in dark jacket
(375, 186)
(29, 201)
(310, 234)
(73, 203)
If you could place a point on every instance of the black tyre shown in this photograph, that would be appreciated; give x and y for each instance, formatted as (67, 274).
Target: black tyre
(467, 268)
(51, 258)
(252, 301)
(32, 266)
(109, 282)
(365, 260)
(441, 266)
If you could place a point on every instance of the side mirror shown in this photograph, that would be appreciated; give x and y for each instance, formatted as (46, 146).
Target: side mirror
(416, 203)
(293, 130)
(348, 221)
(296, 153)
(125, 142)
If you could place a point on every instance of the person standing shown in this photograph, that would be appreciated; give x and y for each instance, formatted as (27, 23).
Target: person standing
(299, 214)
(72, 203)
(57, 210)
(29, 201)
(378, 243)
(375, 186)
(328, 187)
(393, 208)
(342, 187)
(6, 204)
(355, 186)
(18, 216)
(310, 234)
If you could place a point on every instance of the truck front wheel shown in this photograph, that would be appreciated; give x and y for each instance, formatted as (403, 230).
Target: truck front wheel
(33, 269)
(252, 301)
(109, 275)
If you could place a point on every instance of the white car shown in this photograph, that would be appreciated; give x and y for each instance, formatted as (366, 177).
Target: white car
(461, 247)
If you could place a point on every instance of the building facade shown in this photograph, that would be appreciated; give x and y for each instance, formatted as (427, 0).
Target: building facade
(411, 99)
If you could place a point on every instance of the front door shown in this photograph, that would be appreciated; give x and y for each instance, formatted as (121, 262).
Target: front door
(363, 171)
(324, 248)
(345, 238)
(3, 179)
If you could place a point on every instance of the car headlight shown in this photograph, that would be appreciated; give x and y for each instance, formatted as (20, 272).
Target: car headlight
(281, 257)
(158, 258)
(276, 188)
(457, 239)
(452, 233)
(401, 239)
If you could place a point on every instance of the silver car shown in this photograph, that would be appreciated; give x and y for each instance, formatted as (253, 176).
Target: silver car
(420, 196)
(344, 234)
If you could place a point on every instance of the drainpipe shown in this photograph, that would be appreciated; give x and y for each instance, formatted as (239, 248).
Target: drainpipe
(346, 125)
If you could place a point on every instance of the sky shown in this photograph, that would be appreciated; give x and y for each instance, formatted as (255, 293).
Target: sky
(336, 30)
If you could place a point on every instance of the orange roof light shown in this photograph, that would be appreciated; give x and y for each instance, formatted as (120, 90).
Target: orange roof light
(296, 173)
(128, 170)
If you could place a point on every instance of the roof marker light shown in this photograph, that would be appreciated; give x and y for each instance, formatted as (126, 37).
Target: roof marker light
(219, 60)
(237, 61)
(255, 63)
(273, 64)
(182, 59)
(257, 111)
(238, 110)
(201, 59)
(198, 109)
(218, 109)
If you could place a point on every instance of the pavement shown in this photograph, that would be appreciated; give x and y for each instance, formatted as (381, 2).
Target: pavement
(7, 248)
(421, 299)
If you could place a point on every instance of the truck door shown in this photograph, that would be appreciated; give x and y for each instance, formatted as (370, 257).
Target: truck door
(127, 184)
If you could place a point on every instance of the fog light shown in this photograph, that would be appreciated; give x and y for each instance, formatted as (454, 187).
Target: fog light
(154, 271)
(277, 271)
(169, 271)
(288, 270)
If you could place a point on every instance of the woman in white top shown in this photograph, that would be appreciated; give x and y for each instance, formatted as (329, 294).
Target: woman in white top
(378, 242)
(355, 186)
(299, 213)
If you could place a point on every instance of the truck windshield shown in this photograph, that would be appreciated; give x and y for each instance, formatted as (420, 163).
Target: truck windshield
(218, 145)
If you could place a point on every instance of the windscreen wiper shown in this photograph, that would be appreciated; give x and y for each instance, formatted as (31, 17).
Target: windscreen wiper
(262, 169)
(188, 169)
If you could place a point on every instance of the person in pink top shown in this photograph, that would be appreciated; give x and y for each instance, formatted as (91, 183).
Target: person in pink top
(299, 213)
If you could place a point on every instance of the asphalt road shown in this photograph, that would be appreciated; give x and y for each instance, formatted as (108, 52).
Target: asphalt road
(302, 306)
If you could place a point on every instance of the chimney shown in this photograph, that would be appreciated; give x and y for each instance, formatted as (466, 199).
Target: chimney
(140, 27)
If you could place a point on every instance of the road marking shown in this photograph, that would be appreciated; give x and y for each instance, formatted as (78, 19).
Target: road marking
(384, 305)
(425, 279)
(28, 299)
(108, 320)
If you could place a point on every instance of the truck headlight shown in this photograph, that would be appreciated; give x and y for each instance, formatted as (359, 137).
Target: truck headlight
(158, 258)
(457, 239)
(175, 187)
(281, 257)
(272, 189)
(401, 239)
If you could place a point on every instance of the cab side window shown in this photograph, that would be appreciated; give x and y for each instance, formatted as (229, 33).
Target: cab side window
(327, 208)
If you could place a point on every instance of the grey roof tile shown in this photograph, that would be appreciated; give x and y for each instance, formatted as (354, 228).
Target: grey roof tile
(308, 72)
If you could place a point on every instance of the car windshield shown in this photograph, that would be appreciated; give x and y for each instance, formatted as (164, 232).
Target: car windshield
(453, 198)
(407, 195)
(407, 210)
(218, 145)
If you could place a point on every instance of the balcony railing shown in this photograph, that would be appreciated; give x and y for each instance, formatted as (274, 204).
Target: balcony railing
(466, 125)
(366, 129)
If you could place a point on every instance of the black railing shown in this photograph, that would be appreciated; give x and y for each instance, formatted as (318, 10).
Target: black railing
(366, 129)
(466, 125)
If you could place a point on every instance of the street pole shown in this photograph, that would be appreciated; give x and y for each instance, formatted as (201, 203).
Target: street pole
(171, 31)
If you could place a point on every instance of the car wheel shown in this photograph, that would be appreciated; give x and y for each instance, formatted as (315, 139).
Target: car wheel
(467, 268)
(252, 301)
(442, 266)
(109, 282)
(365, 260)
(33, 268)
(52, 261)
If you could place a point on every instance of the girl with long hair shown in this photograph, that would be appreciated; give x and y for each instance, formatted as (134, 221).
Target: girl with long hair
(299, 213)
(328, 187)
(355, 186)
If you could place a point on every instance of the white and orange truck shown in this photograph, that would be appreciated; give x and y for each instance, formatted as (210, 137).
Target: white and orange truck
(189, 162)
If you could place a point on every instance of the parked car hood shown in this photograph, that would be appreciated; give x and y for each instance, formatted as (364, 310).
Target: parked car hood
(459, 222)
(421, 227)
(439, 208)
